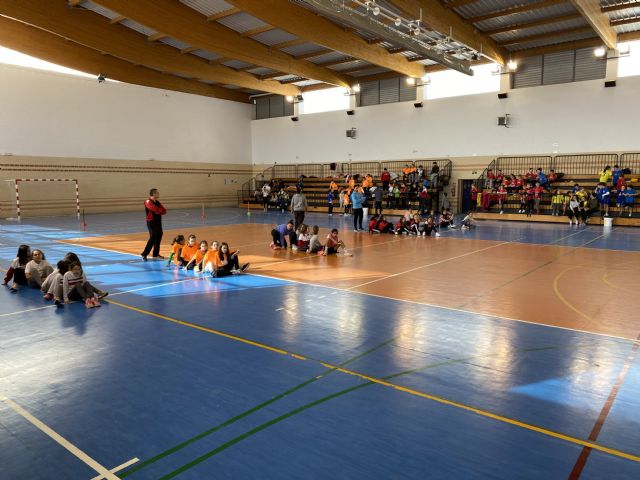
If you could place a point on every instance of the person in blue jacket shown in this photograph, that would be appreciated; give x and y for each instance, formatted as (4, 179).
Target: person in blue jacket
(357, 198)
(280, 234)
(603, 194)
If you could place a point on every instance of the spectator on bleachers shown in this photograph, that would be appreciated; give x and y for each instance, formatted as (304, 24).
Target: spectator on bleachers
(385, 178)
(621, 199)
(491, 178)
(377, 193)
(333, 187)
(603, 195)
(574, 209)
(531, 196)
(283, 200)
(522, 196)
(530, 176)
(557, 200)
(615, 175)
(537, 196)
(346, 195)
(630, 195)
(605, 174)
(330, 203)
(502, 198)
(576, 188)
(543, 180)
(435, 171)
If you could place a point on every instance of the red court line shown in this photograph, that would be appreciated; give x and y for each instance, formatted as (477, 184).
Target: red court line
(593, 436)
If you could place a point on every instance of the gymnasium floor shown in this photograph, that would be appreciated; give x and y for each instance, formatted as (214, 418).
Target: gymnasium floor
(508, 351)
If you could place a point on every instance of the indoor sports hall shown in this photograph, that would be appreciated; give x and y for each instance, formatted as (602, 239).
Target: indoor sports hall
(477, 160)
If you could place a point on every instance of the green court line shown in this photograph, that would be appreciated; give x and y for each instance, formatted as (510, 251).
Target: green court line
(307, 406)
(246, 413)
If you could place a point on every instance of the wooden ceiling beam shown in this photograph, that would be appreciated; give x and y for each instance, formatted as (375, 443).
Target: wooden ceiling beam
(306, 24)
(47, 46)
(183, 23)
(435, 16)
(118, 19)
(620, 6)
(256, 31)
(510, 11)
(156, 36)
(223, 14)
(537, 23)
(543, 36)
(94, 31)
(625, 21)
(598, 20)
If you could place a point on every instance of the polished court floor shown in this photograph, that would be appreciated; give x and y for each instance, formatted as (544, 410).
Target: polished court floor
(508, 351)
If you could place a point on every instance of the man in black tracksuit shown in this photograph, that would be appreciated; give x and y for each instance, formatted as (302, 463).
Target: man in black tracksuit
(154, 210)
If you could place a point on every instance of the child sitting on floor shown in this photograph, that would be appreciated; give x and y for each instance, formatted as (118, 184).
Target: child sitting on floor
(303, 238)
(38, 269)
(17, 268)
(176, 246)
(226, 262)
(334, 244)
(187, 251)
(314, 242)
(76, 287)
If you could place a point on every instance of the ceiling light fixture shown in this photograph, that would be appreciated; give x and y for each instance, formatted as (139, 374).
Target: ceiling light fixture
(512, 65)
(600, 52)
(356, 88)
(382, 22)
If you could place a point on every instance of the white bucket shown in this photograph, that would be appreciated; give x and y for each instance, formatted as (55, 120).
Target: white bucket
(607, 222)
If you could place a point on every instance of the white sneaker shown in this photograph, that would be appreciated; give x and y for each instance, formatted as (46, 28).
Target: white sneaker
(570, 222)
(501, 212)
(437, 234)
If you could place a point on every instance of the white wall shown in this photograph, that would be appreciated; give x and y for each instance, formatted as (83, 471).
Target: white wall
(56, 115)
(578, 117)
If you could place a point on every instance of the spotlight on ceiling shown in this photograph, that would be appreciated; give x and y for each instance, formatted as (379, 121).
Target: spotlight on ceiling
(600, 52)
(289, 98)
(410, 81)
(356, 88)
(397, 22)
(512, 65)
(375, 10)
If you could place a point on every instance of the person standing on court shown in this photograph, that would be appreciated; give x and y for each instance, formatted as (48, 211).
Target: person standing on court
(298, 207)
(154, 210)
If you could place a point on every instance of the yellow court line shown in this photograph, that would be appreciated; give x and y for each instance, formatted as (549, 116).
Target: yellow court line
(564, 300)
(384, 383)
(605, 279)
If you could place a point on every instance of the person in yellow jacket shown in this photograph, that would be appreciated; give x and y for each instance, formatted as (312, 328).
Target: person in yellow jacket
(605, 174)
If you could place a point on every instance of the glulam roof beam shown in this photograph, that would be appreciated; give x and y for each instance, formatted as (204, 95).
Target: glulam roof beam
(598, 20)
(187, 25)
(47, 46)
(306, 24)
(438, 18)
(94, 31)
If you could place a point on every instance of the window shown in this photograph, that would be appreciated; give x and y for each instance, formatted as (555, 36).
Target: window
(629, 65)
(12, 57)
(451, 83)
(326, 100)
(390, 90)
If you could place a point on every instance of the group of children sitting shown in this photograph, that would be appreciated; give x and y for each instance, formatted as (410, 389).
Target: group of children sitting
(217, 260)
(415, 224)
(65, 283)
(303, 240)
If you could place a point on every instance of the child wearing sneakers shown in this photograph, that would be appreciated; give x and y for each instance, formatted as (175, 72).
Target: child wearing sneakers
(76, 287)
(226, 262)
(17, 268)
(195, 263)
(334, 244)
(314, 242)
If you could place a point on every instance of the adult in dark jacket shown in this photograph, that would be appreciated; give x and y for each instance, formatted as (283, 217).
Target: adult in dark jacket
(154, 211)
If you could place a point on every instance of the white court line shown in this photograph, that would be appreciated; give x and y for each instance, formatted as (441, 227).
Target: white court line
(426, 266)
(119, 467)
(453, 309)
(103, 471)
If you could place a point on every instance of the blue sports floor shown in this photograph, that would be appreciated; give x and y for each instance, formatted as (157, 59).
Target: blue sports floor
(254, 377)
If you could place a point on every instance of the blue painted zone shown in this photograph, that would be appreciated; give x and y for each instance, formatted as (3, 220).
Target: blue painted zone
(119, 383)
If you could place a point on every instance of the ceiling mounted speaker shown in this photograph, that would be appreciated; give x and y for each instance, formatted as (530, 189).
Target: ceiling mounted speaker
(351, 112)
(418, 105)
(294, 119)
(502, 96)
(610, 83)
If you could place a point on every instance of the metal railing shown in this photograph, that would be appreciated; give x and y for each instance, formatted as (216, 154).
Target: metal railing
(521, 165)
(589, 164)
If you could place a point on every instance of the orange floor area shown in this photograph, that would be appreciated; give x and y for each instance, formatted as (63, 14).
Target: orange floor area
(577, 288)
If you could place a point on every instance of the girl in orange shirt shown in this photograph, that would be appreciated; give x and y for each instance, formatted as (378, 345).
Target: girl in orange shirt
(176, 246)
(226, 262)
(188, 251)
(208, 259)
(196, 260)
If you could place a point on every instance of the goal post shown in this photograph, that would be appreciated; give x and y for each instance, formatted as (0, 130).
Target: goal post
(17, 182)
